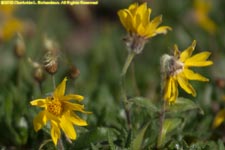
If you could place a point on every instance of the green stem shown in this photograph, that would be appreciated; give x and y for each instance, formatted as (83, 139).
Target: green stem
(127, 63)
(53, 81)
(123, 91)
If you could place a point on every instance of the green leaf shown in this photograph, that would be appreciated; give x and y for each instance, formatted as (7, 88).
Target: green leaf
(110, 140)
(94, 136)
(168, 126)
(220, 145)
(137, 142)
(144, 102)
(183, 104)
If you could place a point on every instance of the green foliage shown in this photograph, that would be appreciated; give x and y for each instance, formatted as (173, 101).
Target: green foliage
(182, 105)
(91, 39)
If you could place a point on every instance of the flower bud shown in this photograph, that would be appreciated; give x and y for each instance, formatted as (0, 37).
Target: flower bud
(51, 56)
(39, 74)
(73, 72)
(19, 46)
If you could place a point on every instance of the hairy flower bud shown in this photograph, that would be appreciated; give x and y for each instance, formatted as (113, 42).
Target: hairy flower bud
(51, 56)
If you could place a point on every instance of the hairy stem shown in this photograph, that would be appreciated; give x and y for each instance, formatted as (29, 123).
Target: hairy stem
(123, 91)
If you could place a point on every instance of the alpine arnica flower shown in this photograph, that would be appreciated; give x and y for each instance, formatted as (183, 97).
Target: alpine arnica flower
(60, 113)
(176, 71)
(136, 20)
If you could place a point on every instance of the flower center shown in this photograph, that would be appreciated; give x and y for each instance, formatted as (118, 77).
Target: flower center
(55, 107)
(177, 67)
(171, 66)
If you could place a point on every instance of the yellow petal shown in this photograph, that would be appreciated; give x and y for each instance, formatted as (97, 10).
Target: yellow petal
(75, 107)
(163, 30)
(219, 118)
(146, 17)
(123, 19)
(55, 132)
(38, 102)
(40, 120)
(199, 60)
(60, 90)
(133, 7)
(185, 85)
(199, 64)
(174, 92)
(191, 75)
(68, 128)
(141, 30)
(77, 120)
(72, 97)
(156, 21)
(11, 27)
(176, 51)
(187, 52)
(140, 13)
(171, 91)
(168, 88)
(52, 117)
(131, 22)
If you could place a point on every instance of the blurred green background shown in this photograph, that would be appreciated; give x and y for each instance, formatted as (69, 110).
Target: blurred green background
(89, 38)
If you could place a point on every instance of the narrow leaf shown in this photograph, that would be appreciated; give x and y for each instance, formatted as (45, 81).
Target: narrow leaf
(137, 142)
(168, 126)
(183, 104)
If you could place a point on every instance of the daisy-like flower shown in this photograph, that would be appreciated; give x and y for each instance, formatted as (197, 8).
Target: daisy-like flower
(9, 24)
(176, 71)
(60, 112)
(136, 20)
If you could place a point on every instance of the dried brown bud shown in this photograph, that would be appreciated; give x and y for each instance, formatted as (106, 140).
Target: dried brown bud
(19, 46)
(39, 74)
(51, 56)
(220, 82)
(38, 70)
(73, 72)
(51, 61)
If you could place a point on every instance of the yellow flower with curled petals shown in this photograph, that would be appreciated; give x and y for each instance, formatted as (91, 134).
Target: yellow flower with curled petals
(176, 71)
(136, 20)
(60, 112)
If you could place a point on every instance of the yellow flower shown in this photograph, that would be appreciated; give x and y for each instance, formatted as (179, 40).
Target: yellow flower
(60, 112)
(9, 25)
(201, 10)
(136, 20)
(176, 71)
